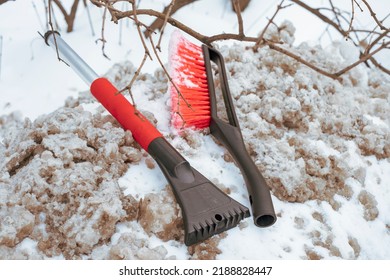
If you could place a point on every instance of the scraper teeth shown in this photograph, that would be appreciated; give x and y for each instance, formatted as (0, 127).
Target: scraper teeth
(209, 227)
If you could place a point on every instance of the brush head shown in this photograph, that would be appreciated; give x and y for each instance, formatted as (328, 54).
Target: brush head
(192, 72)
(189, 89)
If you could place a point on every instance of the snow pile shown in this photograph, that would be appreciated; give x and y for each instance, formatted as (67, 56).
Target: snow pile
(313, 130)
(59, 184)
(63, 170)
(73, 184)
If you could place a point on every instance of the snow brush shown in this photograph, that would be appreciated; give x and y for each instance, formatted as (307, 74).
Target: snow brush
(206, 210)
(194, 104)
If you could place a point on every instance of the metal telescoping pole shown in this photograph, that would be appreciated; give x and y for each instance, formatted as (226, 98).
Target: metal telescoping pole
(66, 53)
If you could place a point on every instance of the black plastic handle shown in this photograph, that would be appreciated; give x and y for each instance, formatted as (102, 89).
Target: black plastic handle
(259, 193)
(229, 134)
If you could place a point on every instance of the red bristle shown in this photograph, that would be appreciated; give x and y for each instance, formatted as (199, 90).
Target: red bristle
(187, 69)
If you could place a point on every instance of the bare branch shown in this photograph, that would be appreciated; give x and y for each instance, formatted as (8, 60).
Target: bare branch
(227, 36)
(50, 23)
(336, 75)
(46, 13)
(351, 30)
(38, 16)
(261, 37)
(180, 95)
(352, 17)
(324, 18)
(301, 60)
(60, 6)
(380, 66)
(137, 23)
(243, 4)
(130, 85)
(89, 17)
(376, 41)
(146, 49)
(159, 22)
(237, 9)
(4, 1)
(102, 38)
(166, 72)
(168, 14)
(57, 26)
(364, 58)
(336, 23)
(353, 2)
(170, 20)
(72, 15)
(373, 14)
(336, 12)
(69, 18)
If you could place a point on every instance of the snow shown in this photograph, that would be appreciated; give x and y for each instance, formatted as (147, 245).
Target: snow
(74, 185)
(139, 181)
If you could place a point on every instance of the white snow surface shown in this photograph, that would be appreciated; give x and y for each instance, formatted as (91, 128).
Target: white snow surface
(74, 185)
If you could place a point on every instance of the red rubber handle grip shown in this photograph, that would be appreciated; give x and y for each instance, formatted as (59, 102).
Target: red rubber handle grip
(125, 113)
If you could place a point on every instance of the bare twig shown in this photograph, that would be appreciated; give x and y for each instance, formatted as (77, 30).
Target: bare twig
(370, 34)
(352, 17)
(167, 74)
(261, 37)
(373, 15)
(362, 59)
(336, 12)
(102, 38)
(168, 14)
(159, 22)
(324, 18)
(3, 1)
(138, 24)
(61, 7)
(243, 4)
(335, 75)
(202, 38)
(226, 36)
(147, 54)
(46, 13)
(353, 2)
(376, 41)
(121, 25)
(180, 95)
(336, 22)
(346, 34)
(301, 60)
(50, 23)
(57, 26)
(38, 15)
(129, 87)
(127, 14)
(69, 17)
(380, 66)
(133, 15)
(237, 9)
(89, 18)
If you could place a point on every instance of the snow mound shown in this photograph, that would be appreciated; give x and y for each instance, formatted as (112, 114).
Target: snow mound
(308, 133)
(63, 170)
